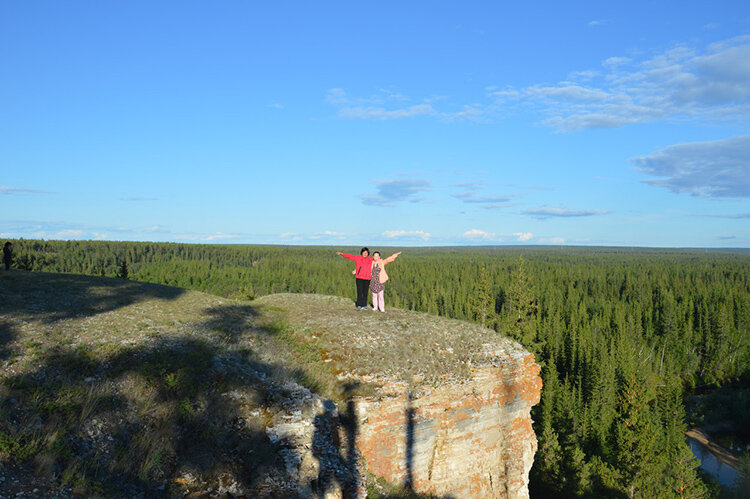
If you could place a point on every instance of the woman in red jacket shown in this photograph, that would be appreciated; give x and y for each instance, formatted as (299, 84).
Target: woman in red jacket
(363, 274)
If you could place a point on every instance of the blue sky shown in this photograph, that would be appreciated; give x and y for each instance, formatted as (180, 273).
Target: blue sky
(398, 123)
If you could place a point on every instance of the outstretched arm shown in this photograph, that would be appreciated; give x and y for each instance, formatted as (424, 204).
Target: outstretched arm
(392, 257)
(346, 255)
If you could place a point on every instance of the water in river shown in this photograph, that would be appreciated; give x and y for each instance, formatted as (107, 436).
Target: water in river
(721, 472)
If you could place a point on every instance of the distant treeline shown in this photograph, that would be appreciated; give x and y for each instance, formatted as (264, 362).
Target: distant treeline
(623, 334)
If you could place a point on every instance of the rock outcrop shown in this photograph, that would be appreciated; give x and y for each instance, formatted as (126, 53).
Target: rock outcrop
(446, 410)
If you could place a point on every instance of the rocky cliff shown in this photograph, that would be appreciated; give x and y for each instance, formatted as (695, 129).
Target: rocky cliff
(117, 388)
(439, 406)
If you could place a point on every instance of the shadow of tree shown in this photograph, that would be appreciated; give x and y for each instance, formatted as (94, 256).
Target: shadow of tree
(231, 321)
(144, 420)
(54, 297)
(7, 335)
(338, 464)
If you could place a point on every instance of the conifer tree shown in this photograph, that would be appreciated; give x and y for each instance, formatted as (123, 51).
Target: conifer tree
(521, 322)
(122, 272)
(635, 436)
(679, 463)
(482, 301)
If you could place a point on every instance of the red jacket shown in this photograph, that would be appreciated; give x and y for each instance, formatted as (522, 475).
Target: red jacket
(364, 265)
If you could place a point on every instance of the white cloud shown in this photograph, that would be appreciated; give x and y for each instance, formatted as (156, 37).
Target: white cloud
(719, 168)
(523, 236)
(406, 234)
(218, 236)
(478, 234)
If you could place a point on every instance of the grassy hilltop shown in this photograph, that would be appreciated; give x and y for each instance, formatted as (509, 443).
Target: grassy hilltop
(111, 387)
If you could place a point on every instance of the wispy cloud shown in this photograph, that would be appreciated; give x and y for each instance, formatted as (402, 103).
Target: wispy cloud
(552, 240)
(680, 83)
(407, 234)
(7, 190)
(719, 168)
(732, 215)
(330, 235)
(686, 83)
(384, 105)
(390, 105)
(726, 238)
(391, 192)
(483, 235)
(138, 198)
(31, 229)
(218, 237)
(470, 193)
(290, 236)
(548, 212)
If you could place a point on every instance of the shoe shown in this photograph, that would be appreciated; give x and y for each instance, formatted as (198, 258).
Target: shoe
(359, 308)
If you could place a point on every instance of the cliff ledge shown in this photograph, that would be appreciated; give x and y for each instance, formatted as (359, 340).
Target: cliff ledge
(437, 405)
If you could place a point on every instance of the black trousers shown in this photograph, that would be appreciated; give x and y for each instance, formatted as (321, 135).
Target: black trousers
(363, 285)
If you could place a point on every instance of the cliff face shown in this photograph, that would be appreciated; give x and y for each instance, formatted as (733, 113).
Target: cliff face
(469, 439)
(448, 408)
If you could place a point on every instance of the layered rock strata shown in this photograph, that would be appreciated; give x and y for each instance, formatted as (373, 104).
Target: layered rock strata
(468, 439)
(447, 410)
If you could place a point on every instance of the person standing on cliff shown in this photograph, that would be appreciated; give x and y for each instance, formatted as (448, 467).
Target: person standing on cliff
(378, 278)
(7, 255)
(362, 273)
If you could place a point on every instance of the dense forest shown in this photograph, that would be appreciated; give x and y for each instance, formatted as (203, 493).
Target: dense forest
(625, 336)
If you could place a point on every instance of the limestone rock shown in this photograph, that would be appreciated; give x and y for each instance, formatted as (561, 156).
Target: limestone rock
(450, 412)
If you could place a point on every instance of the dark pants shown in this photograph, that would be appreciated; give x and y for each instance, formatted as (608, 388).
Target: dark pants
(363, 285)
(7, 265)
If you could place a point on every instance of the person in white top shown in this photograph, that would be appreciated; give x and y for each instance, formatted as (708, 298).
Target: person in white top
(378, 279)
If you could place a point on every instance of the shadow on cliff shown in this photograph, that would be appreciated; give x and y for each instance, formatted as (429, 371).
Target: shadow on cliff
(340, 462)
(38, 295)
